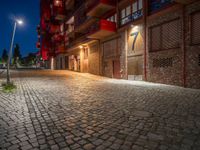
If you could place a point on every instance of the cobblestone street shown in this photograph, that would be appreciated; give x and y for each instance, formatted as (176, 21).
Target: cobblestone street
(73, 111)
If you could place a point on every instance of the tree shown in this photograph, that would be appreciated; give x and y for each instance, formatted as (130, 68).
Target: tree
(4, 56)
(16, 55)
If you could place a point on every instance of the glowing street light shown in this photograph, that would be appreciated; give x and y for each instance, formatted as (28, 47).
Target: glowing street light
(20, 22)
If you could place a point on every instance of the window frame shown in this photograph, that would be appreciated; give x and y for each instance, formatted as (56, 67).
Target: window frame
(161, 35)
(130, 17)
(190, 27)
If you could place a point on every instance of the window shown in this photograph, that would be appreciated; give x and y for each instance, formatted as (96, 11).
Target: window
(134, 7)
(195, 28)
(131, 12)
(163, 62)
(165, 36)
(113, 18)
(140, 4)
(125, 15)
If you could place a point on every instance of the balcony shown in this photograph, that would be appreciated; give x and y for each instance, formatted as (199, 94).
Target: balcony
(184, 2)
(54, 28)
(51, 54)
(69, 4)
(60, 49)
(132, 17)
(82, 27)
(157, 5)
(44, 55)
(101, 29)
(100, 7)
(59, 13)
(58, 38)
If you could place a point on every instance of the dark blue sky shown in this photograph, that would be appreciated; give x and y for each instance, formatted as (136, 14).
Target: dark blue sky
(26, 35)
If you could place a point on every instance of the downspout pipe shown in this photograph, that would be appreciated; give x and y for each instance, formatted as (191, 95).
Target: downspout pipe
(145, 11)
(183, 46)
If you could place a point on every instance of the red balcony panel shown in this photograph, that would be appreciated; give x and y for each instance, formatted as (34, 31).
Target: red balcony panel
(100, 7)
(102, 28)
(47, 16)
(44, 55)
(54, 28)
(58, 38)
(59, 13)
(43, 25)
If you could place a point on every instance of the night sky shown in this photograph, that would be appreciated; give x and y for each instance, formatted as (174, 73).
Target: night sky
(26, 35)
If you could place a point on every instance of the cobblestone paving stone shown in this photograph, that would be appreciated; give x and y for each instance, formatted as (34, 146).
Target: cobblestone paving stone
(72, 111)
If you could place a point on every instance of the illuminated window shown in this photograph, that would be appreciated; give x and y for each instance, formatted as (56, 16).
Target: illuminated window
(131, 12)
(113, 18)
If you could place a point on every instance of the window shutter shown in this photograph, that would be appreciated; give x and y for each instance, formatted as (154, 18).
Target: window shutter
(196, 28)
(155, 38)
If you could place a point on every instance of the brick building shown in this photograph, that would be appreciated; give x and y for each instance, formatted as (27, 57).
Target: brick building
(152, 40)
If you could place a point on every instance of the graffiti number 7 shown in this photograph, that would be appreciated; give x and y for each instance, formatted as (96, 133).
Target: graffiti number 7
(135, 35)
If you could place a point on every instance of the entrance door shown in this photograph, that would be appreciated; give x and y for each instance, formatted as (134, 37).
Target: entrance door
(61, 65)
(66, 62)
(116, 69)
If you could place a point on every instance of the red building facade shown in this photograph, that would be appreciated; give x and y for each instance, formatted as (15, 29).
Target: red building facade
(151, 40)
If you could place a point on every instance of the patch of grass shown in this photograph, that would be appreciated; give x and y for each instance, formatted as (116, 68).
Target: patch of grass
(8, 88)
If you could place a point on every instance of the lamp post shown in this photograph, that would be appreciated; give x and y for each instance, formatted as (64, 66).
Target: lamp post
(20, 22)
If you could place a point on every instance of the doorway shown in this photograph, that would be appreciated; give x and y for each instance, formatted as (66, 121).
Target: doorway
(116, 69)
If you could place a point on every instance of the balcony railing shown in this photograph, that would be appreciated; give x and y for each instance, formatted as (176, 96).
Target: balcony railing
(99, 7)
(81, 21)
(51, 54)
(60, 48)
(54, 28)
(184, 1)
(156, 5)
(58, 38)
(132, 17)
(58, 13)
(101, 29)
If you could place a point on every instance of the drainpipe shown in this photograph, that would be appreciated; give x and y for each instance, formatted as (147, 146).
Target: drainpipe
(100, 58)
(183, 46)
(145, 7)
(126, 55)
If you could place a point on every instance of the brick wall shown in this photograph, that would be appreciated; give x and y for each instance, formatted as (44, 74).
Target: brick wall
(192, 50)
(123, 56)
(165, 65)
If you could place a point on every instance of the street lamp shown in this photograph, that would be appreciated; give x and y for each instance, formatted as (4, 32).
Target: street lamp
(20, 22)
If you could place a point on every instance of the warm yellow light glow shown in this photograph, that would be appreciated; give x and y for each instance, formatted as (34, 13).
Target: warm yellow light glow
(81, 47)
(134, 29)
(52, 63)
